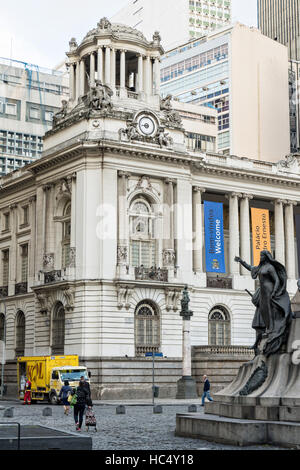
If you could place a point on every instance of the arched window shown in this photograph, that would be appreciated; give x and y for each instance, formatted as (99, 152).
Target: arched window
(66, 236)
(20, 334)
(58, 330)
(147, 328)
(2, 326)
(142, 234)
(219, 327)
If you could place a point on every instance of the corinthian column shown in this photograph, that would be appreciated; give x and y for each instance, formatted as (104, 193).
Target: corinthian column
(290, 239)
(100, 64)
(245, 232)
(197, 229)
(279, 231)
(107, 65)
(92, 69)
(157, 75)
(72, 82)
(122, 69)
(140, 73)
(113, 69)
(234, 236)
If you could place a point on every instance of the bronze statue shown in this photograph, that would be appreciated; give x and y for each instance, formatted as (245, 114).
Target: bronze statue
(273, 306)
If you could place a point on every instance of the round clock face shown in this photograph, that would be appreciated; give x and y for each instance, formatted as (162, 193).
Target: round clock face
(147, 125)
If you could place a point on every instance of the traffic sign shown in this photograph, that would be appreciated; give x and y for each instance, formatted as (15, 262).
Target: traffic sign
(150, 354)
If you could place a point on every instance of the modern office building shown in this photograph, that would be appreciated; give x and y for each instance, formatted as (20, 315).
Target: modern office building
(237, 71)
(100, 236)
(29, 96)
(280, 20)
(177, 21)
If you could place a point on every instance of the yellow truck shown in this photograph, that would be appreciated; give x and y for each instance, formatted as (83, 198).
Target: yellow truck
(47, 375)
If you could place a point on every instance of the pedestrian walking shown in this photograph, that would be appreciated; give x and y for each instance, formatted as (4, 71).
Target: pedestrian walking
(83, 399)
(27, 394)
(206, 390)
(85, 384)
(64, 394)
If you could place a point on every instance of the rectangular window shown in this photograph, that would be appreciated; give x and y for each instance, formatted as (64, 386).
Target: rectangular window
(34, 113)
(25, 215)
(5, 267)
(24, 263)
(11, 109)
(6, 221)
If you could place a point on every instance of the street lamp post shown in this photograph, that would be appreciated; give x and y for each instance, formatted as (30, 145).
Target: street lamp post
(4, 346)
(186, 386)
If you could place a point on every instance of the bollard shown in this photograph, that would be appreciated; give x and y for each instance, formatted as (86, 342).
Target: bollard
(120, 410)
(192, 409)
(157, 409)
(47, 412)
(8, 413)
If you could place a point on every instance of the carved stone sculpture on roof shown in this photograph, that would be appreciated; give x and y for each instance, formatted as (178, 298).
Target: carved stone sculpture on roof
(104, 23)
(99, 97)
(61, 114)
(73, 44)
(164, 139)
(289, 161)
(171, 116)
(156, 38)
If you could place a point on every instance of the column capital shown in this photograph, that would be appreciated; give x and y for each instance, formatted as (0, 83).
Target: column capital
(198, 189)
(169, 181)
(291, 203)
(32, 199)
(13, 206)
(123, 50)
(233, 195)
(247, 196)
(124, 174)
(280, 201)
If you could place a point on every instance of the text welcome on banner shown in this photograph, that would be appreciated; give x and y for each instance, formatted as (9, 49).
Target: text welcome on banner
(214, 237)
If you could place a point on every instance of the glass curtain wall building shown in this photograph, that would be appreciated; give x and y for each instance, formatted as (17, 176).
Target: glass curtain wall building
(198, 73)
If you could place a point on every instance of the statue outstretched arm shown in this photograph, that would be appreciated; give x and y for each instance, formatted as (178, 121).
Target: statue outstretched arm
(243, 263)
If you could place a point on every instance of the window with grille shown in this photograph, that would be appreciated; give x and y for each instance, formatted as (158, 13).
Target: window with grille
(20, 334)
(24, 263)
(147, 328)
(58, 330)
(219, 328)
(142, 236)
(5, 267)
(66, 236)
(2, 326)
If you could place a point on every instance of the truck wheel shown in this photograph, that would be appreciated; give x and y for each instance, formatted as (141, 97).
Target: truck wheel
(53, 399)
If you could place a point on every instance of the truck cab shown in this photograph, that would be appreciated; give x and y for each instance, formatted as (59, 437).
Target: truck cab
(61, 374)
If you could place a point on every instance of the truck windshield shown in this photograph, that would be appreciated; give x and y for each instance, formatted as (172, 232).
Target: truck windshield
(73, 375)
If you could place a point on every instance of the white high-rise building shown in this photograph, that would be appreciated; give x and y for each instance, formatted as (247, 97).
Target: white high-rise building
(177, 21)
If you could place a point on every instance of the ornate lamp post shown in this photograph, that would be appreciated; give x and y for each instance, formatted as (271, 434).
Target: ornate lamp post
(186, 386)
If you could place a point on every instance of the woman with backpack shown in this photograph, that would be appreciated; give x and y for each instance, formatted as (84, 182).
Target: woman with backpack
(65, 392)
(80, 400)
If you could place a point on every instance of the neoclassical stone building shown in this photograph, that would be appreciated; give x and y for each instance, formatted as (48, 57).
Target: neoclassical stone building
(97, 236)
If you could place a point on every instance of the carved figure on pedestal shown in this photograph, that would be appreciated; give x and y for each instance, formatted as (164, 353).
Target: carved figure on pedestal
(61, 114)
(273, 313)
(164, 139)
(172, 116)
(99, 97)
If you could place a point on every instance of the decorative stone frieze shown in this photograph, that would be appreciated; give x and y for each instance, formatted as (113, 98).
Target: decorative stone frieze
(122, 255)
(169, 257)
(48, 261)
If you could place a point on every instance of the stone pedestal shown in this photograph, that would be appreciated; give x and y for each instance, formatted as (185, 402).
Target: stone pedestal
(186, 388)
(260, 406)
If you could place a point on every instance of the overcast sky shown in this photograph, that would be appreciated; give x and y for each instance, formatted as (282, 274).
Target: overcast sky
(38, 32)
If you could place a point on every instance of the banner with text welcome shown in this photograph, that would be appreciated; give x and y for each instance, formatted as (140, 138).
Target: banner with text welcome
(261, 238)
(214, 237)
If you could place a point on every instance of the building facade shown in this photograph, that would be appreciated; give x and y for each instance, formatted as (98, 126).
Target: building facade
(177, 22)
(280, 20)
(231, 71)
(29, 96)
(100, 236)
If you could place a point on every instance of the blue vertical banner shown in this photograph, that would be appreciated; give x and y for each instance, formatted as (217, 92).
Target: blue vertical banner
(214, 237)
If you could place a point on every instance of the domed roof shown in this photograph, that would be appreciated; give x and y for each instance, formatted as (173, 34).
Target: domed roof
(118, 30)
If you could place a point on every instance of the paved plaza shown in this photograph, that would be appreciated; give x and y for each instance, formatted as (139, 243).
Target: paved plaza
(138, 429)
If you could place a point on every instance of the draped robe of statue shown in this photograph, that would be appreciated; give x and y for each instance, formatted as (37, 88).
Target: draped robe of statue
(273, 307)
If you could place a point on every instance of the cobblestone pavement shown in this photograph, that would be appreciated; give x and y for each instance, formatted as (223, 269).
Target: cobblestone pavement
(138, 429)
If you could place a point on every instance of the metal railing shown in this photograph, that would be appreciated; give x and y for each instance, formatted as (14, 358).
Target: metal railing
(219, 282)
(21, 288)
(214, 349)
(151, 274)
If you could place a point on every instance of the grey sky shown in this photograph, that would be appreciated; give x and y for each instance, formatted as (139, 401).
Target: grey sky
(38, 32)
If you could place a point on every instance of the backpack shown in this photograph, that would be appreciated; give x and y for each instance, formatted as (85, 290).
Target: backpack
(73, 399)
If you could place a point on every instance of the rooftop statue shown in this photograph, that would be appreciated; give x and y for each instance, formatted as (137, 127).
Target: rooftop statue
(273, 313)
(99, 97)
